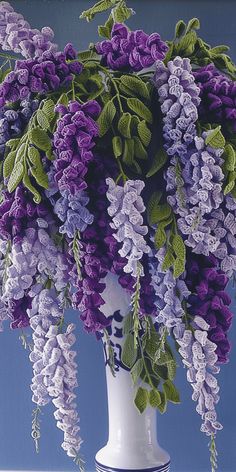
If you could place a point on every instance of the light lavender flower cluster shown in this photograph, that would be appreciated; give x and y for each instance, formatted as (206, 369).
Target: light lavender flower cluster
(194, 178)
(199, 356)
(179, 98)
(197, 351)
(71, 209)
(197, 194)
(17, 35)
(126, 208)
(54, 367)
(35, 254)
(169, 292)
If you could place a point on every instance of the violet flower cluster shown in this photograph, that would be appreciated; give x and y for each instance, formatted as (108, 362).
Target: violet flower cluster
(126, 208)
(209, 299)
(39, 76)
(71, 209)
(217, 93)
(131, 50)
(17, 35)
(195, 184)
(74, 140)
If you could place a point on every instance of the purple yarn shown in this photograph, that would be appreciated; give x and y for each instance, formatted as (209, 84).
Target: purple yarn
(15, 211)
(131, 50)
(100, 254)
(199, 357)
(38, 76)
(179, 98)
(54, 366)
(217, 93)
(71, 209)
(194, 178)
(169, 292)
(125, 209)
(74, 140)
(17, 310)
(17, 35)
(209, 300)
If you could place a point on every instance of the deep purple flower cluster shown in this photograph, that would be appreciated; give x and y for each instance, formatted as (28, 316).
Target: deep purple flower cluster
(42, 75)
(131, 50)
(15, 211)
(74, 140)
(209, 300)
(98, 251)
(16, 34)
(13, 122)
(99, 254)
(218, 96)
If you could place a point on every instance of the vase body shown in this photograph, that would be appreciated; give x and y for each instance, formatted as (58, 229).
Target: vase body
(132, 440)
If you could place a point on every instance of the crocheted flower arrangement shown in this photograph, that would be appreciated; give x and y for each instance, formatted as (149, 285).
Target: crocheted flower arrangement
(120, 159)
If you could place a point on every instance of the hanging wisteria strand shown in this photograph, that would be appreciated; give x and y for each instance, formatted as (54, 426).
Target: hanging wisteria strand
(195, 179)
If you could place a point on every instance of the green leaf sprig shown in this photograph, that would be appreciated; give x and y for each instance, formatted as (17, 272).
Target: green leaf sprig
(24, 160)
(149, 366)
(119, 13)
(229, 169)
(161, 216)
(187, 43)
(127, 118)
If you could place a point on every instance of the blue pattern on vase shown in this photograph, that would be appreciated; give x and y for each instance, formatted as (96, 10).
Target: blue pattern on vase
(115, 330)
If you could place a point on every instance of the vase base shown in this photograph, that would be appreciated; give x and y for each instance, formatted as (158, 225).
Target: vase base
(105, 468)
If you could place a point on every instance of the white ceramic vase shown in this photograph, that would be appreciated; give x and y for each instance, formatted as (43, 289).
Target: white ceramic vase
(132, 441)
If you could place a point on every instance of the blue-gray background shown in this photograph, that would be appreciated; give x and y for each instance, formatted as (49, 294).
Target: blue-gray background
(179, 428)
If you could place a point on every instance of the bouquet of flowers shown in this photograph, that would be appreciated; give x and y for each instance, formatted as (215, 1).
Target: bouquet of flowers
(119, 159)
